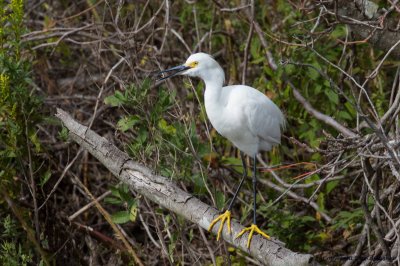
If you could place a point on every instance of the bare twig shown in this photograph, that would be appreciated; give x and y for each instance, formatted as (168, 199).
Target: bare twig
(248, 41)
(61, 178)
(87, 206)
(234, 9)
(107, 217)
(203, 236)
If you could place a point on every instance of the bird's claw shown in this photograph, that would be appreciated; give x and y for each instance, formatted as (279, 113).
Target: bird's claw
(226, 216)
(252, 228)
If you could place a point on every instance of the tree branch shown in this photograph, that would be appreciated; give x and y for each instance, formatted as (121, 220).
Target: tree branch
(320, 116)
(368, 22)
(165, 193)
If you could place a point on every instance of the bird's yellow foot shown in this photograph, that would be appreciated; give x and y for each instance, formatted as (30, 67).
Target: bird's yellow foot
(252, 228)
(226, 216)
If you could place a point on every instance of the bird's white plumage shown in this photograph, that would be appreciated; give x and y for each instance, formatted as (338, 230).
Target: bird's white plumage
(242, 114)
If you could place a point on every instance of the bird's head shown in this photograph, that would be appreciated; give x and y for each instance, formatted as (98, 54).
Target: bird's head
(197, 65)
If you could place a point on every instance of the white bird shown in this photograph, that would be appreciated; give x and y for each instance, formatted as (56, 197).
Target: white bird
(242, 114)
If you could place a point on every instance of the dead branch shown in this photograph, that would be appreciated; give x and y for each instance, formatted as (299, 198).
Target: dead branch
(165, 193)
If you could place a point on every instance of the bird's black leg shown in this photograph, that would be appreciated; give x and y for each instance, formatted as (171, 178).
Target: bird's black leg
(255, 188)
(226, 216)
(241, 181)
(253, 228)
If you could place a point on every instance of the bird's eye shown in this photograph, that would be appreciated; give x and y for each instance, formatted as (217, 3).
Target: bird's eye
(193, 64)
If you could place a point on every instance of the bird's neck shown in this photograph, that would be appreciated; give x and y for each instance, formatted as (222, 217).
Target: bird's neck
(214, 81)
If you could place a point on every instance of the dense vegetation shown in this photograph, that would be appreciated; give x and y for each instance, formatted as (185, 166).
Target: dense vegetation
(96, 60)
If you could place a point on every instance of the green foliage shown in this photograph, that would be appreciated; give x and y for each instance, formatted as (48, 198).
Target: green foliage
(347, 219)
(12, 254)
(299, 232)
(155, 134)
(11, 251)
(220, 200)
(46, 176)
(116, 100)
(235, 256)
(63, 134)
(9, 227)
(18, 105)
(121, 196)
(19, 143)
(164, 135)
(127, 122)
(331, 186)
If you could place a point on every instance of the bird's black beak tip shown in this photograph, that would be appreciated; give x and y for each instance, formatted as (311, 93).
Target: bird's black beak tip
(162, 75)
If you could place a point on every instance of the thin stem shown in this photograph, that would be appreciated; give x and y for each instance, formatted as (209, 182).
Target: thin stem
(254, 188)
(241, 181)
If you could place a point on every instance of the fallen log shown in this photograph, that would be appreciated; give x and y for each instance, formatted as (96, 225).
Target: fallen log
(162, 191)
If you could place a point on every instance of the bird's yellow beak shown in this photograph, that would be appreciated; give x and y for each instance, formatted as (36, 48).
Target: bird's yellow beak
(176, 70)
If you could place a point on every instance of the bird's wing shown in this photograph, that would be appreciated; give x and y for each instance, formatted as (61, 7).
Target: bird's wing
(265, 119)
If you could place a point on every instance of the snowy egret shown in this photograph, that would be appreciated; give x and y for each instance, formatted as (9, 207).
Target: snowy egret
(242, 114)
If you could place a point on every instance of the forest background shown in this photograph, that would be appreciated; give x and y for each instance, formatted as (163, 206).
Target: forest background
(331, 66)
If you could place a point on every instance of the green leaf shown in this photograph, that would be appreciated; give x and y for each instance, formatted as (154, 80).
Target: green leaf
(45, 178)
(199, 185)
(127, 122)
(171, 248)
(113, 201)
(255, 48)
(133, 212)
(290, 69)
(63, 134)
(338, 32)
(333, 97)
(169, 129)
(115, 100)
(321, 201)
(234, 162)
(331, 185)
(307, 218)
(345, 115)
(115, 192)
(313, 74)
(121, 217)
(35, 140)
(142, 136)
(317, 88)
(8, 154)
(350, 108)
(220, 200)
(124, 188)
(191, 235)
(258, 60)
